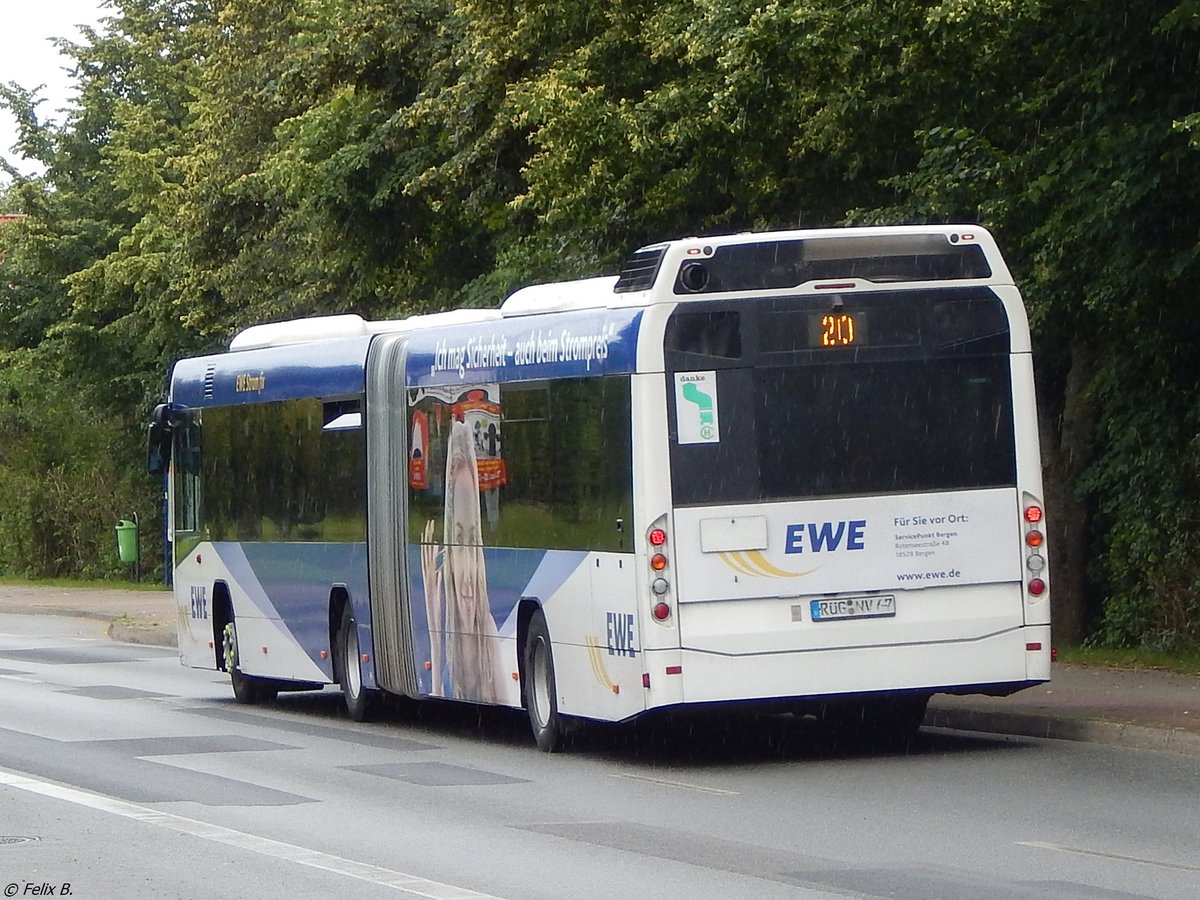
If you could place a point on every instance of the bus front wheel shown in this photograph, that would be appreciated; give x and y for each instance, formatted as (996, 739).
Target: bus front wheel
(246, 688)
(541, 696)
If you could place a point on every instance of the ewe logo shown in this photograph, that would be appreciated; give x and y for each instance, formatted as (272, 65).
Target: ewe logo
(801, 537)
(824, 537)
(620, 634)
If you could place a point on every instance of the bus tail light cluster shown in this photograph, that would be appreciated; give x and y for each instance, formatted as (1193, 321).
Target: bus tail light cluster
(1035, 541)
(660, 587)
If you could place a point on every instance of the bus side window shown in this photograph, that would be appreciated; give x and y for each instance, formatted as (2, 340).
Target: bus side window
(717, 333)
(187, 475)
(567, 450)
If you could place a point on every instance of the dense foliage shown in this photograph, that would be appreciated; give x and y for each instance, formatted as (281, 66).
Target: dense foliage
(235, 161)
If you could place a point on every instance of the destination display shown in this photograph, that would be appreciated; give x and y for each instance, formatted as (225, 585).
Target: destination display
(837, 329)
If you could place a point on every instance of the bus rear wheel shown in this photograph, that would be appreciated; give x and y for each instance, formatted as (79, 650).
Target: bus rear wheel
(360, 702)
(246, 688)
(885, 721)
(541, 695)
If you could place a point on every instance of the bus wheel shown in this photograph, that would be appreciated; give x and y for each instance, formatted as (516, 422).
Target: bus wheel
(541, 697)
(246, 688)
(360, 702)
(888, 722)
(905, 717)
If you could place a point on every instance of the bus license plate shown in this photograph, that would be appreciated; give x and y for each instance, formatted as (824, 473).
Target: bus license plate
(841, 608)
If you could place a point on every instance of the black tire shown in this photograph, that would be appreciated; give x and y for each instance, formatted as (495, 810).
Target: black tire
(360, 702)
(541, 695)
(886, 722)
(246, 688)
(908, 716)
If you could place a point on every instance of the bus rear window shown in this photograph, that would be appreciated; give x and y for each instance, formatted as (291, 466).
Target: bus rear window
(867, 428)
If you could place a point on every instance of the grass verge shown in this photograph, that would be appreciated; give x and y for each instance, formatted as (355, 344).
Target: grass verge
(1185, 663)
(84, 583)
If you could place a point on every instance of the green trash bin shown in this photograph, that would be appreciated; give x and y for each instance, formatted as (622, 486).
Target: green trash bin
(127, 541)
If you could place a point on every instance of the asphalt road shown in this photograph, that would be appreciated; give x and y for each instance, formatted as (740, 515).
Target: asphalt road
(123, 774)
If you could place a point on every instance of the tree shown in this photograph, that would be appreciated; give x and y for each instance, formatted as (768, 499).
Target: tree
(236, 161)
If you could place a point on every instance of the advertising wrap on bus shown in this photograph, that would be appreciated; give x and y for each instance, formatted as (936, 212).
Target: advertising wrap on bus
(599, 342)
(853, 544)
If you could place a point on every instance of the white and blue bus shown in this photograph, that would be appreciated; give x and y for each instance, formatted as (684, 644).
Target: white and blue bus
(798, 467)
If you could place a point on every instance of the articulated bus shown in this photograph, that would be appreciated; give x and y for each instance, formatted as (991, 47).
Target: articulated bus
(793, 467)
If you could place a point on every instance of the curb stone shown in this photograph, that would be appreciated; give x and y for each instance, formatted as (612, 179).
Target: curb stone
(152, 634)
(1093, 731)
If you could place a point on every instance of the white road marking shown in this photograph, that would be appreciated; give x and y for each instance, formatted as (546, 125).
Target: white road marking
(411, 884)
(1119, 857)
(676, 784)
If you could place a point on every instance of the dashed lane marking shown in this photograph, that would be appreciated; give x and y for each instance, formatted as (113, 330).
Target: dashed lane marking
(1118, 857)
(721, 792)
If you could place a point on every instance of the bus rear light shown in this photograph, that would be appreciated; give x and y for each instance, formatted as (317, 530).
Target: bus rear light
(1037, 587)
(657, 537)
(660, 586)
(1033, 514)
(658, 562)
(661, 611)
(1033, 646)
(674, 670)
(1036, 562)
(1034, 538)
(646, 680)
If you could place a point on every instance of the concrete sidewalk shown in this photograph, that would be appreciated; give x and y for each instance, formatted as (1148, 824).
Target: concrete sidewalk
(1135, 708)
(1145, 709)
(134, 617)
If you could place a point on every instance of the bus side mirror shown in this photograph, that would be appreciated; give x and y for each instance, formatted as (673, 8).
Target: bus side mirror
(158, 449)
(160, 435)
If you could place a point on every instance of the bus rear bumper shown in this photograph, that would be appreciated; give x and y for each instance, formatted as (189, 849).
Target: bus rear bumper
(995, 664)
